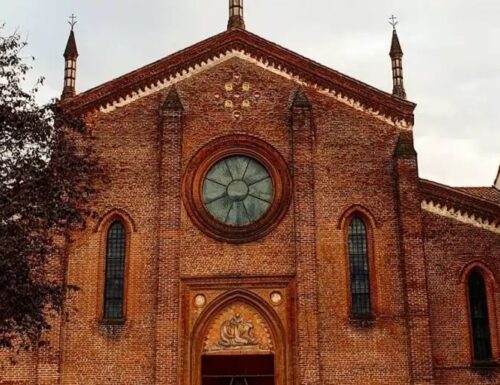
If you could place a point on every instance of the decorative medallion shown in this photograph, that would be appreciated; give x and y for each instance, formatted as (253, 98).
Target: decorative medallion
(238, 327)
(200, 300)
(276, 298)
(238, 94)
(237, 189)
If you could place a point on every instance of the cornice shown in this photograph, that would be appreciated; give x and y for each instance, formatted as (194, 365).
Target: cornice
(460, 216)
(458, 205)
(252, 48)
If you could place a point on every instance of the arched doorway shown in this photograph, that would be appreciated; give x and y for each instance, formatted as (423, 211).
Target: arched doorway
(238, 340)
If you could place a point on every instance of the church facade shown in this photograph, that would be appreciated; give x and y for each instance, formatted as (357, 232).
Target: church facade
(265, 224)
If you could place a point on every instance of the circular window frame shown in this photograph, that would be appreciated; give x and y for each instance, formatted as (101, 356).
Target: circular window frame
(224, 147)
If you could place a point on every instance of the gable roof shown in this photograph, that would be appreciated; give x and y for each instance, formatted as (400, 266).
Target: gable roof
(252, 47)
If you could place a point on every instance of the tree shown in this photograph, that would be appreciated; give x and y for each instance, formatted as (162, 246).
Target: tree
(48, 174)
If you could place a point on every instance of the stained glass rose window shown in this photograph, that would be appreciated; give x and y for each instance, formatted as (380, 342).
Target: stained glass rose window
(237, 191)
(237, 188)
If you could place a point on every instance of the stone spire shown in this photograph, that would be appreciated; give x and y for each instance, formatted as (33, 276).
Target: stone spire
(70, 57)
(396, 55)
(236, 20)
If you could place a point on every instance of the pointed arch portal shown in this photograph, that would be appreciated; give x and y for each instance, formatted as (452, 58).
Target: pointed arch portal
(238, 340)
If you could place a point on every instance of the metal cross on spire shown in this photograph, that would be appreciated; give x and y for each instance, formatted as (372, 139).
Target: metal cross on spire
(72, 21)
(393, 20)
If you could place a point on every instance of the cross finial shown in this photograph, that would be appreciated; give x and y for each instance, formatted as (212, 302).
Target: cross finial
(393, 20)
(72, 21)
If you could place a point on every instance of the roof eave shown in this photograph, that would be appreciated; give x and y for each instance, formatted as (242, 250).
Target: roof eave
(259, 47)
(454, 197)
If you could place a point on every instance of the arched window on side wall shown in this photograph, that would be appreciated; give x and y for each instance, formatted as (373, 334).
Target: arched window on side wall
(479, 321)
(359, 270)
(115, 272)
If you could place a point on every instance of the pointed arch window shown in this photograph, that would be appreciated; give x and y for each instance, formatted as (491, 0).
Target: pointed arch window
(479, 318)
(115, 272)
(359, 270)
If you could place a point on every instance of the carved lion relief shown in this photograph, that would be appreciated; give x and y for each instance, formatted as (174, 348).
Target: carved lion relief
(238, 327)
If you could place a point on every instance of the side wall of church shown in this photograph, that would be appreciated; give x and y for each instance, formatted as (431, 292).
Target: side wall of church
(452, 248)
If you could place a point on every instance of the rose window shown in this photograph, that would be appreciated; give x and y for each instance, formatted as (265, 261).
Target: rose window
(238, 191)
(236, 188)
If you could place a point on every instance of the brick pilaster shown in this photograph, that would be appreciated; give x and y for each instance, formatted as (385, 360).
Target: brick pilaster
(169, 212)
(302, 141)
(49, 357)
(48, 364)
(413, 261)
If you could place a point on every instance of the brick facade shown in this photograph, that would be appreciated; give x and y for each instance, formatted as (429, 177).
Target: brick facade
(348, 150)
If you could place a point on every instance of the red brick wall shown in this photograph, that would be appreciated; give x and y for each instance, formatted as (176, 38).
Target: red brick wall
(354, 158)
(94, 353)
(18, 369)
(206, 119)
(450, 247)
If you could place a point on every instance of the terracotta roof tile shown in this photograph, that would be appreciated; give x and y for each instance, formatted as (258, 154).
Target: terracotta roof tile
(487, 193)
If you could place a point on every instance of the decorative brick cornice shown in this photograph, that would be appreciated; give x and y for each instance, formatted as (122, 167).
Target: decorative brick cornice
(458, 205)
(250, 47)
(458, 215)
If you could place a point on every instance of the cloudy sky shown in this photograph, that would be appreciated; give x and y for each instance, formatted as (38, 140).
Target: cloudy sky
(452, 56)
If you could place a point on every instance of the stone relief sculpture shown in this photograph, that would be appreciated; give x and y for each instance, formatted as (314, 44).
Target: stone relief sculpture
(237, 332)
(238, 327)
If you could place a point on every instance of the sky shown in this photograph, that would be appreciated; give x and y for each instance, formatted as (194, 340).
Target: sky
(451, 62)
